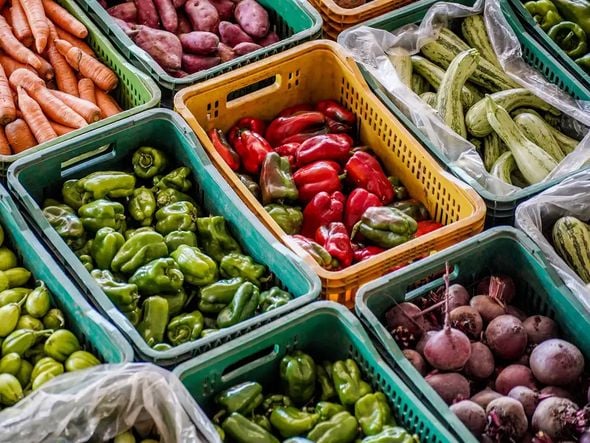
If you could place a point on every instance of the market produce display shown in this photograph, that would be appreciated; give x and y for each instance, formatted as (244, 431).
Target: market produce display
(571, 238)
(330, 194)
(134, 436)
(319, 401)
(176, 272)
(567, 22)
(507, 374)
(51, 82)
(514, 131)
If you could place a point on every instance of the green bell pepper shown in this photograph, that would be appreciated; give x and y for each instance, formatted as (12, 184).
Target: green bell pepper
(159, 275)
(325, 381)
(385, 226)
(327, 410)
(252, 186)
(341, 428)
(131, 232)
(348, 382)
(184, 328)
(112, 184)
(577, 11)
(198, 268)
(242, 307)
(148, 162)
(242, 430)
(102, 213)
(290, 421)
(413, 208)
(68, 225)
(134, 316)
(176, 238)
(298, 376)
(165, 197)
(584, 63)
(262, 421)
(124, 295)
(274, 298)
(392, 434)
(570, 37)
(288, 218)
(373, 413)
(179, 216)
(139, 249)
(155, 318)
(177, 179)
(176, 301)
(239, 265)
(142, 205)
(73, 196)
(87, 262)
(274, 401)
(105, 246)
(216, 296)
(544, 13)
(215, 237)
(276, 181)
(243, 398)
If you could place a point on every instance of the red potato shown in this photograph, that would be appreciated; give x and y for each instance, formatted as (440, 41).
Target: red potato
(167, 14)
(246, 48)
(199, 42)
(184, 25)
(253, 18)
(202, 15)
(232, 35)
(270, 39)
(124, 11)
(163, 46)
(147, 14)
(225, 52)
(225, 8)
(195, 63)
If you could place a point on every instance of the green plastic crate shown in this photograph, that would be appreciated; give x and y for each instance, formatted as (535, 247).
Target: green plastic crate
(136, 91)
(41, 175)
(325, 330)
(500, 209)
(503, 250)
(295, 21)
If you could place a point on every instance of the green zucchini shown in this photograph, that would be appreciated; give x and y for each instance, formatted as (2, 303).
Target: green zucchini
(476, 121)
(478, 143)
(538, 131)
(403, 67)
(448, 97)
(518, 179)
(571, 238)
(504, 167)
(419, 84)
(534, 163)
(474, 32)
(567, 144)
(493, 148)
(429, 98)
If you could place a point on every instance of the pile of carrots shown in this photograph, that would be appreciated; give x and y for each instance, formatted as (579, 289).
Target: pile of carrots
(51, 82)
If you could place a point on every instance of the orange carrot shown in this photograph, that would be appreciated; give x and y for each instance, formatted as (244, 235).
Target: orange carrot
(4, 145)
(62, 18)
(19, 136)
(52, 106)
(101, 75)
(107, 104)
(75, 41)
(7, 16)
(65, 76)
(88, 110)
(7, 108)
(60, 129)
(34, 117)
(86, 88)
(14, 48)
(37, 22)
(10, 65)
(46, 71)
(19, 24)
(2, 3)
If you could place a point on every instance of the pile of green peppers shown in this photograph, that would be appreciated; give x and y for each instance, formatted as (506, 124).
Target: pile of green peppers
(175, 272)
(327, 402)
(135, 436)
(35, 345)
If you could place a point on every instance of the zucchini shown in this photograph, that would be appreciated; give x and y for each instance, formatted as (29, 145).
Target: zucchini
(571, 238)
(474, 32)
(448, 98)
(478, 143)
(476, 121)
(429, 98)
(403, 67)
(567, 144)
(538, 131)
(419, 84)
(493, 148)
(504, 167)
(518, 179)
(534, 163)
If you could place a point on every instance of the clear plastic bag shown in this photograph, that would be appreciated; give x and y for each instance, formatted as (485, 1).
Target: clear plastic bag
(537, 216)
(96, 404)
(370, 48)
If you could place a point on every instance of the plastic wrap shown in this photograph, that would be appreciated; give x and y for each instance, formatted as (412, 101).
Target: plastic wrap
(370, 48)
(99, 403)
(537, 216)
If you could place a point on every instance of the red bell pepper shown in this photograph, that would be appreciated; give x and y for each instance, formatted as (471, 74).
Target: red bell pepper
(426, 226)
(301, 137)
(335, 111)
(335, 239)
(317, 177)
(334, 147)
(288, 150)
(365, 172)
(252, 148)
(360, 254)
(322, 210)
(356, 204)
(253, 124)
(336, 127)
(297, 109)
(224, 149)
(282, 128)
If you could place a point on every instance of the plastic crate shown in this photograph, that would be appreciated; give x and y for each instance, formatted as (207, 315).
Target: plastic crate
(295, 21)
(41, 175)
(326, 331)
(500, 209)
(265, 88)
(136, 91)
(502, 250)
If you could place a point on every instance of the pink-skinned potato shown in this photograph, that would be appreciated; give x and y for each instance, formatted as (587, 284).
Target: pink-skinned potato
(202, 15)
(225, 52)
(163, 46)
(195, 63)
(252, 18)
(246, 48)
(178, 3)
(184, 25)
(225, 8)
(147, 14)
(232, 35)
(125, 11)
(199, 42)
(270, 39)
(128, 28)
(167, 13)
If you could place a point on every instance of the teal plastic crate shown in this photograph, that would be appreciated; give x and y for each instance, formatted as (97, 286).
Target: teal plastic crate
(136, 91)
(295, 21)
(500, 208)
(503, 250)
(325, 330)
(41, 175)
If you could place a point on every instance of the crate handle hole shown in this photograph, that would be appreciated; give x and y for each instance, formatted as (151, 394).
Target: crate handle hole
(432, 285)
(254, 91)
(250, 363)
(98, 155)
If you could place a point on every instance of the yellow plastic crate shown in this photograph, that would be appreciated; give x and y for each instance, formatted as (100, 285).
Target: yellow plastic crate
(316, 71)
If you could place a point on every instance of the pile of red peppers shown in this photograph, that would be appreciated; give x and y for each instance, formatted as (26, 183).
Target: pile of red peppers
(330, 194)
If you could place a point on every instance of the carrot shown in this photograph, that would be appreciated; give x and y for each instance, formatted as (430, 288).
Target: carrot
(7, 108)
(52, 106)
(107, 104)
(60, 129)
(19, 136)
(46, 71)
(7, 16)
(101, 75)
(86, 88)
(37, 22)
(65, 76)
(14, 48)
(10, 65)
(4, 145)
(19, 24)
(62, 18)
(75, 41)
(34, 117)
(88, 110)
(2, 3)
